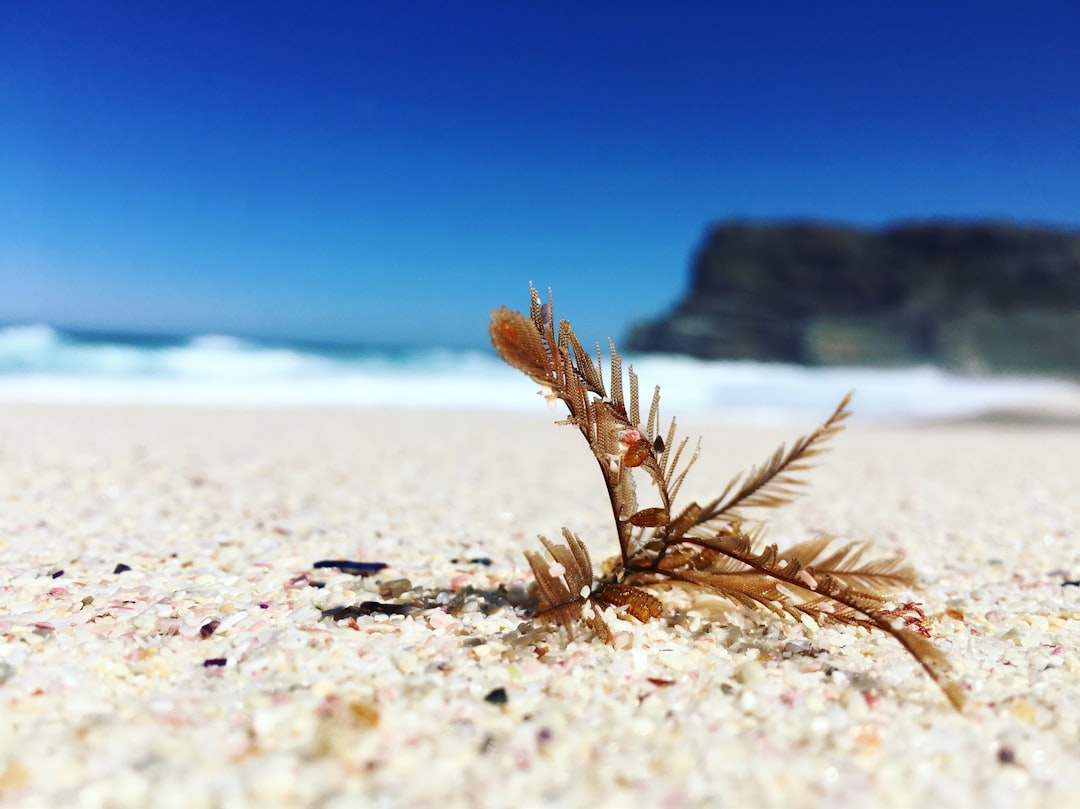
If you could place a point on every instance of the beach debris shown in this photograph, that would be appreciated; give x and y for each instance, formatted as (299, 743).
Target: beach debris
(355, 568)
(212, 662)
(56, 574)
(497, 696)
(304, 580)
(121, 568)
(716, 546)
(368, 608)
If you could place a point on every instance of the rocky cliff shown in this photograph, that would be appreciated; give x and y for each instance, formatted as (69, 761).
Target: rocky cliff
(968, 296)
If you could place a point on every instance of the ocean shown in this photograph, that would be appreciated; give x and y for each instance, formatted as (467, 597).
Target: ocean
(43, 364)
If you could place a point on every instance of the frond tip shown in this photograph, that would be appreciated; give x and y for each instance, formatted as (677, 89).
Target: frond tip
(564, 584)
(566, 594)
(775, 482)
(700, 546)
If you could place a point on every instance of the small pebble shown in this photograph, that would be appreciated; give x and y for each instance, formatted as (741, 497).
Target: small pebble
(355, 568)
(207, 629)
(497, 696)
(394, 588)
(459, 582)
(367, 608)
(749, 672)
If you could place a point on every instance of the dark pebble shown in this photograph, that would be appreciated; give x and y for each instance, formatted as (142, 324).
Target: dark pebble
(356, 568)
(367, 608)
(207, 629)
(121, 568)
(56, 574)
(1006, 755)
(497, 697)
(215, 661)
(318, 585)
(1071, 583)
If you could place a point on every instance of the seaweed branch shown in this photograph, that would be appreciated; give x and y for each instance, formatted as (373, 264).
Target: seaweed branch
(701, 546)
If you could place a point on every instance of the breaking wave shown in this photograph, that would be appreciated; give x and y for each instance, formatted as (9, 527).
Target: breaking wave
(42, 364)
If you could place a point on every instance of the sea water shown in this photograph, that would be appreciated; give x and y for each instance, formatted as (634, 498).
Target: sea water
(44, 364)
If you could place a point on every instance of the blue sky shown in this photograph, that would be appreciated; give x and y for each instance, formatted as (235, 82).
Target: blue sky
(389, 172)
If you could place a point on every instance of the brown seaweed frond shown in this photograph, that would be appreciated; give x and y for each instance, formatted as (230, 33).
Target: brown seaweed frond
(702, 546)
(775, 482)
(845, 564)
(565, 589)
(564, 583)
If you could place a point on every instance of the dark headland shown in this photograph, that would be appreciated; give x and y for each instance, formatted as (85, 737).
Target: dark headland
(968, 296)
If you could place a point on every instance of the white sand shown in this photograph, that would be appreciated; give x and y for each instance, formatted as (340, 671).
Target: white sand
(220, 514)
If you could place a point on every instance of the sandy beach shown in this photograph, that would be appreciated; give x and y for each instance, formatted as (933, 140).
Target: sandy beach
(162, 638)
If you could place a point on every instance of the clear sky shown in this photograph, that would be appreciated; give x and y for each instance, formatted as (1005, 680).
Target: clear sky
(390, 171)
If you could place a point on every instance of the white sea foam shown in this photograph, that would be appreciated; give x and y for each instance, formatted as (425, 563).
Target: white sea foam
(41, 364)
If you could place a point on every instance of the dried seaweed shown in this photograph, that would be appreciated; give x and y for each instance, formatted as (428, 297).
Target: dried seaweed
(368, 608)
(712, 546)
(354, 568)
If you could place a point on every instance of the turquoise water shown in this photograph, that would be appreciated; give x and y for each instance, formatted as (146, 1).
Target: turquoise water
(43, 364)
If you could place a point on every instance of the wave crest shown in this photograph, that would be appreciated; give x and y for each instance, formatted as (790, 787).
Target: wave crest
(41, 363)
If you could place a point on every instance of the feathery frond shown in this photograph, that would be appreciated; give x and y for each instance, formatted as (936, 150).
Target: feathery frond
(703, 546)
(774, 482)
